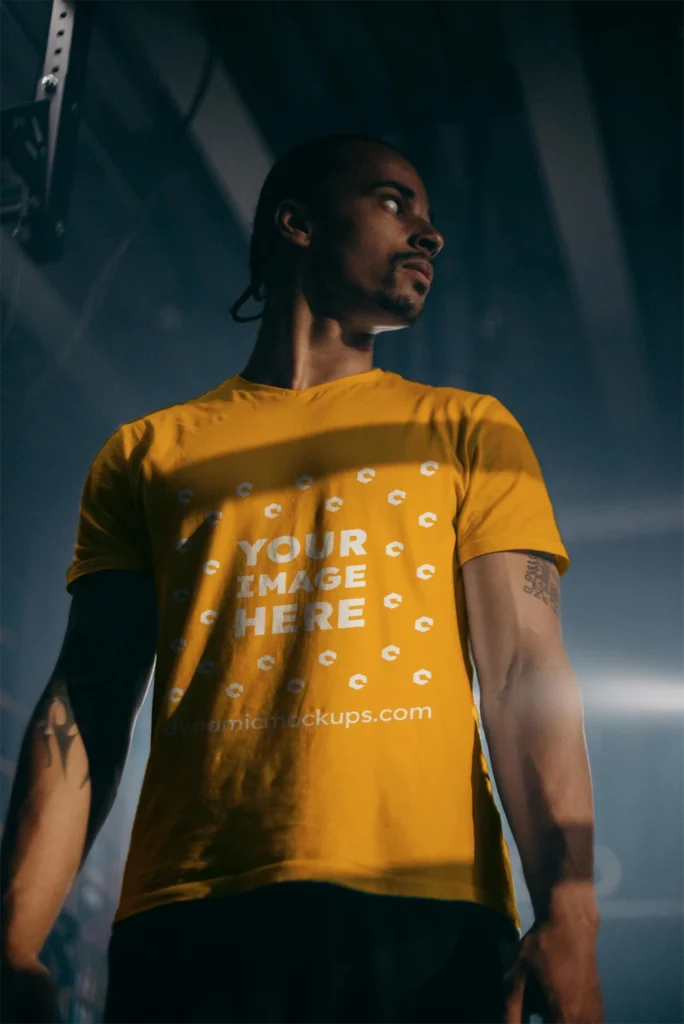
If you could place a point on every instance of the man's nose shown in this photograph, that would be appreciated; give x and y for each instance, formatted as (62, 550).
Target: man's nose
(429, 239)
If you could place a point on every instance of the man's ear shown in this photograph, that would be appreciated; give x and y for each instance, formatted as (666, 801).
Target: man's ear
(293, 223)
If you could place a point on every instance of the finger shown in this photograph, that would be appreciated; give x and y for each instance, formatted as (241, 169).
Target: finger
(514, 1002)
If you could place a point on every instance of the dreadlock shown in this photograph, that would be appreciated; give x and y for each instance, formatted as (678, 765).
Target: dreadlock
(298, 175)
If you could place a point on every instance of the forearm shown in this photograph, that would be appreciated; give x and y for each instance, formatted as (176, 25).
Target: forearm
(535, 733)
(50, 823)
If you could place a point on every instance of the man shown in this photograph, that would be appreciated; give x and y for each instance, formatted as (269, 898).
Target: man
(309, 549)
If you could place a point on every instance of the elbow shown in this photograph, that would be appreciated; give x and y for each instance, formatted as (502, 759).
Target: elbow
(544, 687)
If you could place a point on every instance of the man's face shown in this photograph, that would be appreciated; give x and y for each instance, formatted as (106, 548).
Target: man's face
(372, 246)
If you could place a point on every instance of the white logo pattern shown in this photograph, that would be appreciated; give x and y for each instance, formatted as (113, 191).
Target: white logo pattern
(424, 623)
(425, 572)
(392, 600)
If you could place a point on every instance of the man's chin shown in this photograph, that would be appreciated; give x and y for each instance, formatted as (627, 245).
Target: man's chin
(404, 310)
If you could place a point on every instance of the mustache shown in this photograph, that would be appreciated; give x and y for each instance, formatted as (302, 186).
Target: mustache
(404, 257)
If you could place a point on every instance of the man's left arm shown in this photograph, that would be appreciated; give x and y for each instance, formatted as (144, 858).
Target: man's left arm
(531, 713)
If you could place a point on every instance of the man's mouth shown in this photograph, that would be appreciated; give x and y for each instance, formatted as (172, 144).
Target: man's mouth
(421, 270)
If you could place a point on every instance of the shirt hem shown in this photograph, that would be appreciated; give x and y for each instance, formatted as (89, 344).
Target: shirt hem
(102, 563)
(466, 551)
(387, 885)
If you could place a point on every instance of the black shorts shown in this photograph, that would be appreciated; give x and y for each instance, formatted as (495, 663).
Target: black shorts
(310, 952)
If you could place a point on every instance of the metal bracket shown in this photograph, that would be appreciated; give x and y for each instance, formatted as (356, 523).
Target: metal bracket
(39, 138)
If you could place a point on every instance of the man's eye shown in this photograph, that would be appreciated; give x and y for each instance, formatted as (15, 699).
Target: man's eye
(393, 199)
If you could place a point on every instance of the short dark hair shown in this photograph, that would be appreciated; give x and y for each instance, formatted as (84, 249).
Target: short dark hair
(298, 174)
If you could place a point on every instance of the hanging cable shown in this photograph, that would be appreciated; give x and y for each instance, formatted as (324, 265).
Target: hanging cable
(17, 263)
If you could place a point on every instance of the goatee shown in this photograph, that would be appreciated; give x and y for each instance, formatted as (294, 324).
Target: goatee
(398, 303)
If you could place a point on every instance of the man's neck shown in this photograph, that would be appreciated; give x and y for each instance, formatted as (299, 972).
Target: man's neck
(296, 350)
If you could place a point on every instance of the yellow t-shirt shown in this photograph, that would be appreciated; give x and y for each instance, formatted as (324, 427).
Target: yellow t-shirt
(313, 715)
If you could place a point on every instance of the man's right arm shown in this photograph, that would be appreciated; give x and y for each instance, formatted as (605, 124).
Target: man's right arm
(74, 752)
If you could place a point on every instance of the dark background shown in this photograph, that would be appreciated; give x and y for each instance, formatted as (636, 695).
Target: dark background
(549, 135)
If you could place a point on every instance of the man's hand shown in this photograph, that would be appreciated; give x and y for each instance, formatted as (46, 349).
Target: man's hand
(28, 993)
(556, 976)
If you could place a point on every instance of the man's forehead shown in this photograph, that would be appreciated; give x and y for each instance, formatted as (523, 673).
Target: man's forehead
(366, 163)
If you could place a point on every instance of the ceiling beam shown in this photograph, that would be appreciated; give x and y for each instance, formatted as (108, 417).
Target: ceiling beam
(545, 51)
(51, 321)
(226, 134)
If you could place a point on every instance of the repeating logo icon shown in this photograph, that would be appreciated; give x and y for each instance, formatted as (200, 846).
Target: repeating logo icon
(208, 617)
(175, 695)
(392, 600)
(334, 504)
(213, 517)
(273, 511)
(183, 544)
(296, 685)
(205, 668)
(424, 623)
(422, 676)
(179, 643)
(358, 681)
(364, 476)
(425, 571)
(234, 689)
(181, 595)
(394, 548)
(396, 497)
(265, 662)
(186, 495)
(390, 653)
(304, 483)
(211, 567)
(427, 519)
(327, 657)
(429, 468)
(243, 489)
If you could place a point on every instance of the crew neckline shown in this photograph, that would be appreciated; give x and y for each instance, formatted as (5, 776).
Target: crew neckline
(365, 377)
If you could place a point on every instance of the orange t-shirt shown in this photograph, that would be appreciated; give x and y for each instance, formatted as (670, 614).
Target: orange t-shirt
(313, 714)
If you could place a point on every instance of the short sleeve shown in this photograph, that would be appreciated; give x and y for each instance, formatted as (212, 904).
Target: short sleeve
(506, 505)
(111, 533)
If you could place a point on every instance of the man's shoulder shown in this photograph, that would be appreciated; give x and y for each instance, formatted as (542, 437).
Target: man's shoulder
(189, 412)
(455, 396)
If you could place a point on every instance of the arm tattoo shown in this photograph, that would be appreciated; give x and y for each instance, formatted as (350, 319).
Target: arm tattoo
(541, 579)
(56, 718)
